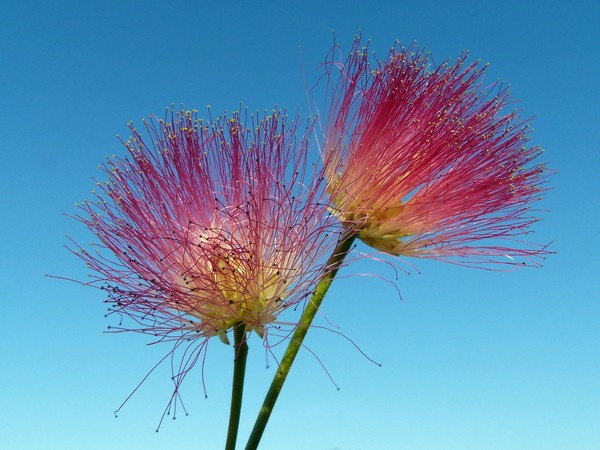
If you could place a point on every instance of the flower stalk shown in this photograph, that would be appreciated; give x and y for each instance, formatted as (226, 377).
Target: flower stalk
(333, 264)
(240, 348)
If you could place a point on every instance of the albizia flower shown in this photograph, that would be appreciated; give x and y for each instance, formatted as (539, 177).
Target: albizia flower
(425, 161)
(207, 225)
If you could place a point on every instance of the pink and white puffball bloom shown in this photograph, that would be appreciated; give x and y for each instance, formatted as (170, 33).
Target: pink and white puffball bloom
(425, 161)
(207, 225)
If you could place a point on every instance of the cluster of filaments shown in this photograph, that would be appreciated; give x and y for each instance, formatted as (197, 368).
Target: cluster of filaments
(207, 234)
(450, 169)
(224, 281)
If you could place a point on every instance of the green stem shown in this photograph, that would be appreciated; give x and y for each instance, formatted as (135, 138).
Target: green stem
(240, 347)
(333, 264)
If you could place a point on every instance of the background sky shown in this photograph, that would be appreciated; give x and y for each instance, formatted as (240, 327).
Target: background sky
(470, 359)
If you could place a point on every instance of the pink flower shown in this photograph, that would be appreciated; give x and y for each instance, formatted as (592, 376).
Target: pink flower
(424, 161)
(205, 225)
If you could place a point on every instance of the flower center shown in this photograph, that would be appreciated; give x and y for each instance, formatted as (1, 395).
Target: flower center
(226, 285)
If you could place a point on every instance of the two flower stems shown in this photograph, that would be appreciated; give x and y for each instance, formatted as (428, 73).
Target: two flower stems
(332, 266)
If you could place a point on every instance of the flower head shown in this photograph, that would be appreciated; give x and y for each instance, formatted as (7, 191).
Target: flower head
(424, 161)
(205, 225)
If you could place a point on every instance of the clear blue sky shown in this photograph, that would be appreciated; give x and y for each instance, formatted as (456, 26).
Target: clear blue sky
(470, 359)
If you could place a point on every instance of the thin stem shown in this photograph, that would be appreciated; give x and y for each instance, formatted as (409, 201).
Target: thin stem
(333, 264)
(240, 347)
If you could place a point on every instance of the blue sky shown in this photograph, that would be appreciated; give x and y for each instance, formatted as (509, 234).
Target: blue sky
(470, 359)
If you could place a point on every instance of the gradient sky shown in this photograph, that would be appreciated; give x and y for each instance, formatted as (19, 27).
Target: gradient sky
(470, 359)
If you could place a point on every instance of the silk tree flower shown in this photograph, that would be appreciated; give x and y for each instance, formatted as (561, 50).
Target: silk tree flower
(206, 225)
(425, 161)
